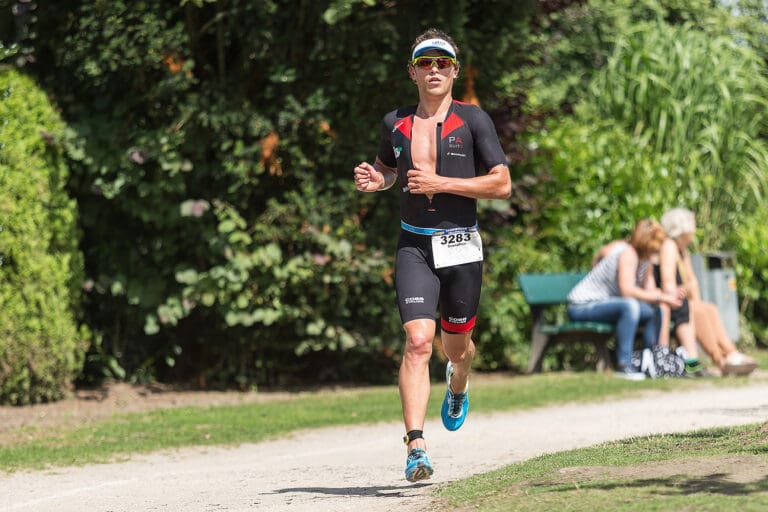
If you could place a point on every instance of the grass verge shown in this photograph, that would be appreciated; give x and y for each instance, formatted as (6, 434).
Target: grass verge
(708, 470)
(225, 425)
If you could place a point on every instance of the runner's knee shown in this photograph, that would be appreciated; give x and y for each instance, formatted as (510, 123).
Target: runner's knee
(458, 347)
(419, 344)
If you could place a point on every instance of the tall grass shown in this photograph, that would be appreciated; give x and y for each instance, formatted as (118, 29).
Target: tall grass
(700, 100)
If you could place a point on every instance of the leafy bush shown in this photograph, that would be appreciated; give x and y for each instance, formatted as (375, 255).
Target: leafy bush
(752, 273)
(596, 181)
(41, 268)
(223, 235)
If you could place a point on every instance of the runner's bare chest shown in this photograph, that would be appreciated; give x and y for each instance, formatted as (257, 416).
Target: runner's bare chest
(424, 143)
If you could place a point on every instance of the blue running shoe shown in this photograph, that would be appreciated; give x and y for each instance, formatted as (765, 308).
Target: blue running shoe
(455, 406)
(417, 466)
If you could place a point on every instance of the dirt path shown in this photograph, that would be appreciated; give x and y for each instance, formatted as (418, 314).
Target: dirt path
(360, 468)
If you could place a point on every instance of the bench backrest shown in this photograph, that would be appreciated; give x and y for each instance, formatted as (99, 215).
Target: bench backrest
(542, 289)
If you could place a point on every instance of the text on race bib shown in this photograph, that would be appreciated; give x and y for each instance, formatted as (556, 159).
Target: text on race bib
(456, 247)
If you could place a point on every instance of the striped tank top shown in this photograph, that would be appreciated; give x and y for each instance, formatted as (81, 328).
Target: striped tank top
(602, 282)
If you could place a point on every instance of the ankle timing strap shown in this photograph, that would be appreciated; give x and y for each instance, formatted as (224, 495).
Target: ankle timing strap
(412, 435)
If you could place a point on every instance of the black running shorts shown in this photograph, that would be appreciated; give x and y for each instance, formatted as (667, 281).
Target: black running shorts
(421, 288)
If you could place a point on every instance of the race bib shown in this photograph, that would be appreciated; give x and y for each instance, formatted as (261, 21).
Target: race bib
(457, 246)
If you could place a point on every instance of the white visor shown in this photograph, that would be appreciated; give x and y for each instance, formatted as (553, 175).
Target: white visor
(433, 44)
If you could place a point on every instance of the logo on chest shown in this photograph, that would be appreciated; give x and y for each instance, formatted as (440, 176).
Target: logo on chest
(456, 146)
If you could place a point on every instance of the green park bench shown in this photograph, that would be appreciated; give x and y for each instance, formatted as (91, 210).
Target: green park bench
(546, 291)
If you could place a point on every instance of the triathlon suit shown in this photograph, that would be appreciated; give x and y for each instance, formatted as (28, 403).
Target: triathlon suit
(682, 314)
(466, 143)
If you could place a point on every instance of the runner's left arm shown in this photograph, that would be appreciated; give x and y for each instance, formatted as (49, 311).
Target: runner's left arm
(495, 184)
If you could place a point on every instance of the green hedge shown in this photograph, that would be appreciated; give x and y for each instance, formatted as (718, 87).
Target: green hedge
(41, 269)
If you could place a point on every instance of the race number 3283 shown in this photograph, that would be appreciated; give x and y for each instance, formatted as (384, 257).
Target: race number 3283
(457, 246)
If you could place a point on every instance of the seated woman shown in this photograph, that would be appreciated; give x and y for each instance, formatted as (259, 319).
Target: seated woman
(668, 278)
(674, 269)
(620, 289)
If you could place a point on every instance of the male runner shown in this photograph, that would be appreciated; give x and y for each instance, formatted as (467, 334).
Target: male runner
(437, 149)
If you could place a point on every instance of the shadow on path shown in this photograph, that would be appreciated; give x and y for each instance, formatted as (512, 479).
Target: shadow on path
(390, 491)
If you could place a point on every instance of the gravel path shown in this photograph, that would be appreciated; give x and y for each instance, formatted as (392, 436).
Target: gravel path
(360, 468)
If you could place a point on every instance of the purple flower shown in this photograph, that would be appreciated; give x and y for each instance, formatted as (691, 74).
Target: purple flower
(138, 156)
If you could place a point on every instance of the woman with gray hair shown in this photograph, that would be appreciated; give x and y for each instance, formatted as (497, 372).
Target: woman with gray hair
(675, 269)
